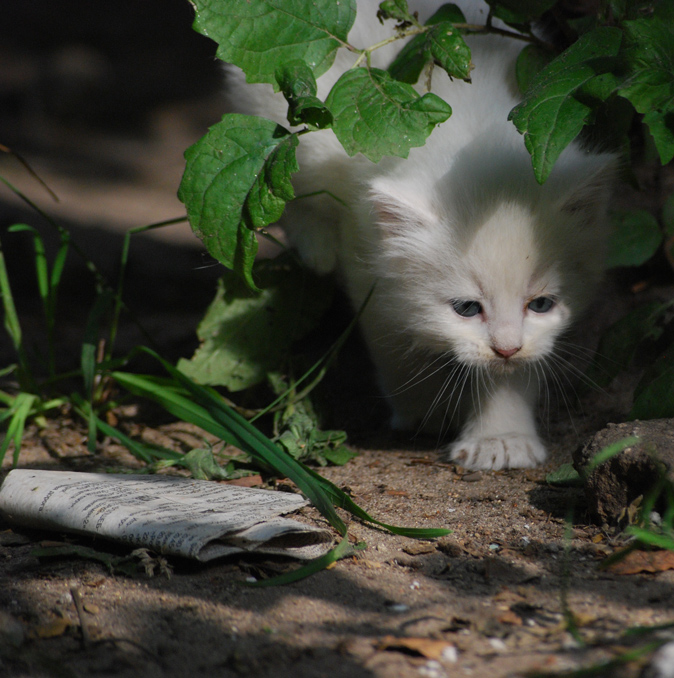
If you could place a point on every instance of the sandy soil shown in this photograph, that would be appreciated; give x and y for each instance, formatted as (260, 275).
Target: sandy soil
(491, 599)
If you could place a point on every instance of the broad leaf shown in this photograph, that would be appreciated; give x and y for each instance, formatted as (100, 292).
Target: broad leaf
(635, 239)
(237, 178)
(394, 9)
(531, 60)
(649, 54)
(550, 117)
(298, 85)
(442, 44)
(376, 115)
(245, 334)
(259, 35)
(519, 11)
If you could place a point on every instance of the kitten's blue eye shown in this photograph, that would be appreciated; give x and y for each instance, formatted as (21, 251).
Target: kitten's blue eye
(467, 309)
(541, 304)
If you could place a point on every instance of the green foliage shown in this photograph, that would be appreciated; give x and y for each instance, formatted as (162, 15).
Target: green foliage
(441, 44)
(260, 35)
(298, 432)
(298, 84)
(552, 113)
(237, 179)
(245, 334)
(377, 115)
(520, 12)
(635, 239)
(621, 341)
(649, 85)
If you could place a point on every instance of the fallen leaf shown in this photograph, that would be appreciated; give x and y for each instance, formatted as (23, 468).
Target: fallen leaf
(426, 647)
(644, 561)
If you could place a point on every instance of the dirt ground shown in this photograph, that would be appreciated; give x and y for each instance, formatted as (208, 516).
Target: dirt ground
(102, 107)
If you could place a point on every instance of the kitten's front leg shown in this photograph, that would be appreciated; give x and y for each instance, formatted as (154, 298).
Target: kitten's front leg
(501, 433)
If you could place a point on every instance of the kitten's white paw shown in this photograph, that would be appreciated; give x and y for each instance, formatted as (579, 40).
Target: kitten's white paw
(497, 452)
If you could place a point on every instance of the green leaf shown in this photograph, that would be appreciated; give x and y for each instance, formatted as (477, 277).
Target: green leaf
(301, 436)
(621, 341)
(202, 465)
(565, 476)
(520, 11)
(550, 116)
(531, 60)
(376, 115)
(442, 43)
(298, 85)
(259, 35)
(649, 86)
(394, 9)
(654, 395)
(635, 239)
(237, 178)
(244, 334)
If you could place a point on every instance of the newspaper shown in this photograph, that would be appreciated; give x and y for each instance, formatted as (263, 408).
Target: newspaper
(171, 515)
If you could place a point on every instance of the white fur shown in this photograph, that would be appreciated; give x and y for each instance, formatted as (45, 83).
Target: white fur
(461, 218)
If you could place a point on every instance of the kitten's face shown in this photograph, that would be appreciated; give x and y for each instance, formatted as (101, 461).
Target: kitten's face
(492, 295)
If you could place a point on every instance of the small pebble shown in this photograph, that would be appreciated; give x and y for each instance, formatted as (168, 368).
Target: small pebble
(397, 607)
(432, 669)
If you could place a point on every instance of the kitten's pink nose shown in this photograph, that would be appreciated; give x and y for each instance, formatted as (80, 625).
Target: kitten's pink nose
(505, 352)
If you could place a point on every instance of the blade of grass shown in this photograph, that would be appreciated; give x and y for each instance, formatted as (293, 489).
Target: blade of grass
(30, 170)
(47, 284)
(119, 304)
(658, 539)
(214, 416)
(146, 453)
(323, 363)
(609, 451)
(343, 501)
(21, 409)
(13, 327)
(342, 549)
(221, 420)
(88, 357)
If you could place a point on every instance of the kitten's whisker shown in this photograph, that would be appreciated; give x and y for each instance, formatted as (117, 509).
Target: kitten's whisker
(417, 378)
(568, 366)
(556, 372)
(439, 395)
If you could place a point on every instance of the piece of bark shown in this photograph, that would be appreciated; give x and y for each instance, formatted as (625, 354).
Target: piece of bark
(614, 485)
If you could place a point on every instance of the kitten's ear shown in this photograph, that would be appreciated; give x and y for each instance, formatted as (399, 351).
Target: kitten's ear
(398, 207)
(589, 200)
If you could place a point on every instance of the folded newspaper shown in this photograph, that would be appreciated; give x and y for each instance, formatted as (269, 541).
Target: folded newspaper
(170, 515)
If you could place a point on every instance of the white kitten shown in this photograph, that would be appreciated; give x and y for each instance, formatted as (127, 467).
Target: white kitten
(478, 269)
